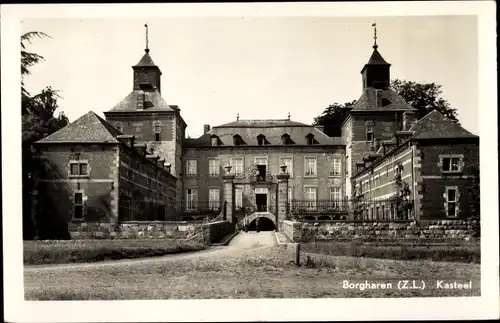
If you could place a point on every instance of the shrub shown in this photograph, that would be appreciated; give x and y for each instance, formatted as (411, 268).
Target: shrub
(438, 252)
(74, 251)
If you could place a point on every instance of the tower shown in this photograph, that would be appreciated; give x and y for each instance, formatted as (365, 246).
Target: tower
(145, 114)
(376, 73)
(376, 117)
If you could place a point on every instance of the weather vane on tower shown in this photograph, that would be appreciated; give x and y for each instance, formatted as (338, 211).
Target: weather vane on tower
(374, 25)
(147, 41)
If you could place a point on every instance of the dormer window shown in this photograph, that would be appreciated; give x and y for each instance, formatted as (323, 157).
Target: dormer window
(119, 126)
(369, 131)
(157, 130)
(286, 140)
(261, 140)
(237, 140)
(215, 141)
(310, 139)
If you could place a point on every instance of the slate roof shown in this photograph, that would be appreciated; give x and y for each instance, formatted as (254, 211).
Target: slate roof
(88, 128)
(376, 59)
(273, 130)
(435, 125)
(381, 100)
(265, 123)
(153, 101)
(146, 61)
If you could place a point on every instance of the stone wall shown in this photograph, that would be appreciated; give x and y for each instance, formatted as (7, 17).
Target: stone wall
(135, 230)
(208, 232)
(381, 230)
(214, 232)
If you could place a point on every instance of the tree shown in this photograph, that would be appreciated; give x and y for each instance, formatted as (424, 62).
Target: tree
(423, 97)
(38, 121)
(333, 116)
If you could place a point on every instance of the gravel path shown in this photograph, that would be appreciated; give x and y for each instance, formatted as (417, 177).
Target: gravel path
(241, 242)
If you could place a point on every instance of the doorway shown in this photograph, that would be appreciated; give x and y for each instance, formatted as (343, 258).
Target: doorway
(261, 202)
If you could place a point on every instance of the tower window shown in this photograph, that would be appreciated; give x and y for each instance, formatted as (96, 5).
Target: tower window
(157, 130)
(369, 131)
(286, 140)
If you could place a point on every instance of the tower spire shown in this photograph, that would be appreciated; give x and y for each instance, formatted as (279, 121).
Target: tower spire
(147, 41)
(374, 25)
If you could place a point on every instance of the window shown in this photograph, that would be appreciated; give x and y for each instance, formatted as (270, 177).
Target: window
(119, 126)
(213, 167)
(191, 199)
(191, 167)
(310, 139)
(238, 197)
(213, 198)
(310, 169)
(451, 196)
(215, 141)
(369, 131)
(157, 130)
(237, 140)
(237, 165)
(78, 168)
(310, 196)
(290, 196)
(451, 164)
(286, 140)
(261, 140)
(78, 206)
(289, 165)
(335, 196)
(336, 167)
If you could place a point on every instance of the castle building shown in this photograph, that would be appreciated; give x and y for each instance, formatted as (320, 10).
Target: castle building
(265, 168)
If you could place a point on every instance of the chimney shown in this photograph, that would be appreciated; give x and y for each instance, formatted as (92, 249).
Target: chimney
(127, 139)
(403, 136)
(409, 119)
(161, 163)
(168, 167)
(377, 144)
(206, 128)
(320, 127)
(141, 149)
(140, 100)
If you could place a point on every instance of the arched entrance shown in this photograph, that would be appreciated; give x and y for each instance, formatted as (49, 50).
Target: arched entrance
(265, 224)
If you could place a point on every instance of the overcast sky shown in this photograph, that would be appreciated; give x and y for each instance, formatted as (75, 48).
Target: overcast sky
(264, 67)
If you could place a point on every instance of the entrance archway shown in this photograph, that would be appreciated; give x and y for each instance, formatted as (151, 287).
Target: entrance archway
(265, 224)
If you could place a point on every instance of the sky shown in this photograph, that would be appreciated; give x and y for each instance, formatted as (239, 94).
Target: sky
(260, 67)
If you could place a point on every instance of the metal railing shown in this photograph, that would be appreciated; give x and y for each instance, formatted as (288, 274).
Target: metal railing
(375, 210)
(318, 206)
(199, 207)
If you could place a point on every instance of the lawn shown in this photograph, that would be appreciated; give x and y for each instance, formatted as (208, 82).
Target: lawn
(74, 251)
(468, 253)
(263, 272)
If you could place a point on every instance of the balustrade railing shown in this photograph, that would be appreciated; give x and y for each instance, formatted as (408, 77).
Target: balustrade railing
(375, 210)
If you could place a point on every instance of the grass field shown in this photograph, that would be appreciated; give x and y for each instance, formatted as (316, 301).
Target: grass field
(74, 251)
(263, 272)
(398, 251)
